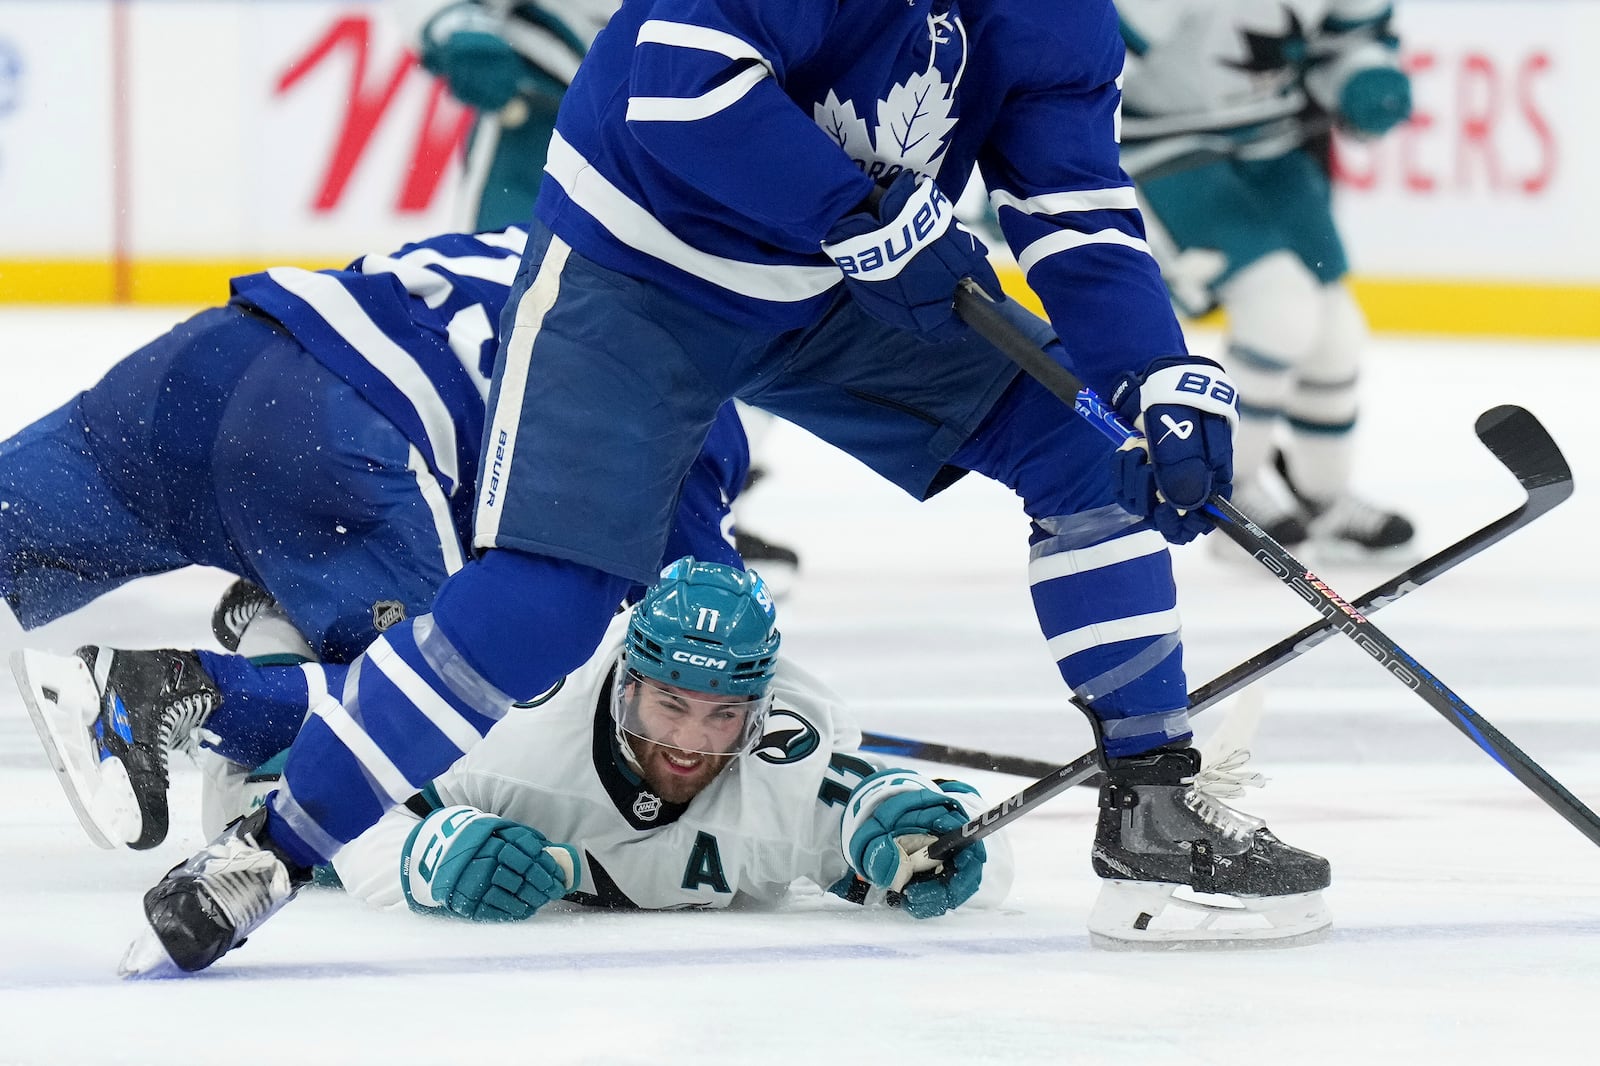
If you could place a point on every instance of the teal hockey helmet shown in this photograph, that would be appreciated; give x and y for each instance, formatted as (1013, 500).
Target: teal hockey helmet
(706, 627)
(703, 630)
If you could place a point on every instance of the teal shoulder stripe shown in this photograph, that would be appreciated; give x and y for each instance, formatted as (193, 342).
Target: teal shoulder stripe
(1132, 38)
(1334, 24)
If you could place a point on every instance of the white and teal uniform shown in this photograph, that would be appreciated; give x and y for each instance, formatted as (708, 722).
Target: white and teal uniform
(1227, 110)
(772, 817)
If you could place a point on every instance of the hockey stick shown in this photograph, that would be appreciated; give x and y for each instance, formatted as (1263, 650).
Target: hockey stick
(977, 311)
(1513, 436)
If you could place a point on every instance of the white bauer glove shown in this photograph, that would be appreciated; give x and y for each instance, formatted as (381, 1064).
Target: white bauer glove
(462, 861)
(890, 819)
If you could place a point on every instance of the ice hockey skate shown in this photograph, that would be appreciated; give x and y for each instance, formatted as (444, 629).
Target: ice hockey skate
(1182, 869)
(108, 719)
(1269, 503)
(240, 603)
(1348, 528)
(205, 907)
(249, 621)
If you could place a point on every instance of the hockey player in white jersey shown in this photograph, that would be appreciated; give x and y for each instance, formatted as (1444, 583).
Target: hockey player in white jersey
(1221, 98)
(752, 199)
(686, 765)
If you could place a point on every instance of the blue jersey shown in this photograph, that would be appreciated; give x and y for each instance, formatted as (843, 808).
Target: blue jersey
(710, 145)
(415, 331)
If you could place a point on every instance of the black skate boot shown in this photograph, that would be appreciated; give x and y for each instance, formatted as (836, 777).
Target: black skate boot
(151, 703)
(1348, 528)
(1274, 508)
(205, 907)
(249, 621)
(240, 604)
(1351, 529)
(1160, 831)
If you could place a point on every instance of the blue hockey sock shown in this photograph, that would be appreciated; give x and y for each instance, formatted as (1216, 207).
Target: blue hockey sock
(1103, 590)
(261, 709)
(505, 628)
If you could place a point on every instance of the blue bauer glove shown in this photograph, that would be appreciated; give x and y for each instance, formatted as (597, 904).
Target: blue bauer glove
(1187, 409)
(1374, 101)
(889, 818)
(477, 866)
(904, 258)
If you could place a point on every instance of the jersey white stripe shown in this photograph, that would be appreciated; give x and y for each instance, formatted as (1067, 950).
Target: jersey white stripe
(1066, 240)
(1096, 634)
(699, 38)
(637, 228)
(432, 287)
(1060, 203)
(339, 309)
(439, 507)
(434, 707)
(316, 684)
(686, 109)
(365, 749)
(500, 269)
(1081, 560)
(501, 435)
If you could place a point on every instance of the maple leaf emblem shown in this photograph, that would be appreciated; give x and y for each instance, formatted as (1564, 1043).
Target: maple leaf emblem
(914, 122)
(841, 122)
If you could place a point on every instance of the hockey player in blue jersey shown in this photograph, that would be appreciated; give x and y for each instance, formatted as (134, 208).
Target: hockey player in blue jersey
(512, 61)
(710, 227)
(317, 436)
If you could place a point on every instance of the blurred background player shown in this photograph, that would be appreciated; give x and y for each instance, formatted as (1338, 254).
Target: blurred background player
(1225, 103)
(318, 436)
(512, 62)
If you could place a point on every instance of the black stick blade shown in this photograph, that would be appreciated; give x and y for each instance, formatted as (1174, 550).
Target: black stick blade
(1524, 446)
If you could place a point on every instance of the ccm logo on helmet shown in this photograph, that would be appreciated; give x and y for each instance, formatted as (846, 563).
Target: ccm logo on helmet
(699, 660)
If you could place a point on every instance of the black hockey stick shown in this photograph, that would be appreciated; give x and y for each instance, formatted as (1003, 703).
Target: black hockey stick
(977, 310)
(1513, 436)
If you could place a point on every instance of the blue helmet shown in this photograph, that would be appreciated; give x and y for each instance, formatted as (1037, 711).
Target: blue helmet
(706, 627)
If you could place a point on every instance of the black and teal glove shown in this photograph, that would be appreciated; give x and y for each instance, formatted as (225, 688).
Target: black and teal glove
(488, 61)
(889, 818)
(463, 862)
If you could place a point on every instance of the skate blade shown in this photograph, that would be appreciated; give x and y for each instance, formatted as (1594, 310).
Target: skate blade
(147, 960)
(62, 700)
(1152, 916)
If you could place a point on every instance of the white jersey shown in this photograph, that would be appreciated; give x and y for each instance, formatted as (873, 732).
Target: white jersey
(1218, 65)
(770, 818)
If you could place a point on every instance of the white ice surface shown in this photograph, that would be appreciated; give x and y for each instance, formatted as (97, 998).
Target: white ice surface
(1467, 914)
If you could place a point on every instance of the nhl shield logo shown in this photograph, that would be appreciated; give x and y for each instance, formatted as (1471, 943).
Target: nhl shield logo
(386, 613)
(647, 806)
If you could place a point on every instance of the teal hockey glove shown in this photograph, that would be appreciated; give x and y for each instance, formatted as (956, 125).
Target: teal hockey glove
(473, 865)
(1374, 101)
(889, 818)
(475, 54)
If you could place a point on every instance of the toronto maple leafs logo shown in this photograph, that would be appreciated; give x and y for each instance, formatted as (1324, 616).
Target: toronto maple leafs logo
(914, 117)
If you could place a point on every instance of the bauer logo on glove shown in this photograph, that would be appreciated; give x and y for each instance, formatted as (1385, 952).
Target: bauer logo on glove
(1187, 409)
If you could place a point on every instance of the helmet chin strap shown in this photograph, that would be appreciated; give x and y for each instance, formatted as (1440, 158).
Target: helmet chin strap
(625, 742)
